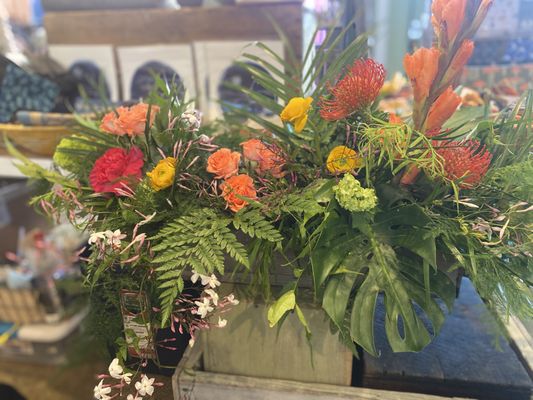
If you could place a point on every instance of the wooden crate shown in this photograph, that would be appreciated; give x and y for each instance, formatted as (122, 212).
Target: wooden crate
(248, 346)
(190, 383)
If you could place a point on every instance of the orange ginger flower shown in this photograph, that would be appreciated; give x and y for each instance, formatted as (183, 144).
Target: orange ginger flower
(421, 67)
(467, 160)
(442, 109)
(459, 60)
(355, 91)
(447, 18)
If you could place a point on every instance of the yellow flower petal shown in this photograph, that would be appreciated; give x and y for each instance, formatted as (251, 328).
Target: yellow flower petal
(162, 176)
(296, 111)
(342, 159)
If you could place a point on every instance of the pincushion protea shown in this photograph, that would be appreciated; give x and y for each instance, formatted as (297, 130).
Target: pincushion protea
(467, 160)
(355, 91)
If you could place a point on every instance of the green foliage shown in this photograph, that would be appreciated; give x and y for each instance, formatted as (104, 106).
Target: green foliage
(252, 221)
(354, 263)
(198, 240)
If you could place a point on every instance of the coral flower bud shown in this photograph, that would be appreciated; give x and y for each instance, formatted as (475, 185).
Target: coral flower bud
(421, 67)
(442, 109)
(448, 17)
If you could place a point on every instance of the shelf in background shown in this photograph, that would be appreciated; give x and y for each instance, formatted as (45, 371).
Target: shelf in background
(122, 27)
(8, 170)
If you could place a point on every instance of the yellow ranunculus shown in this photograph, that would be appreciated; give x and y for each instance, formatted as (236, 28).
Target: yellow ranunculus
(342, 159)
(162, 176)
(296, 111)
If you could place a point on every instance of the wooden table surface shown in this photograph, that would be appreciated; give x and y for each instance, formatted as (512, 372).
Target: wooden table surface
(45, 382)
(462, 361)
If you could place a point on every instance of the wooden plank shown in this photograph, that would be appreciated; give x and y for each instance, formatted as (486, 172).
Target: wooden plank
(522, 341)
(189, 382)
(461, 361)
(143, 27)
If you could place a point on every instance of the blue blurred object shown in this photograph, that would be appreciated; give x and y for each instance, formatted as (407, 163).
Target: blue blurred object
(21, 90)
(18, 280)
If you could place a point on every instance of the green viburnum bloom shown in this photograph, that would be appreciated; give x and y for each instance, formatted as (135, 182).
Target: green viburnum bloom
(353, 197)
(66, 161)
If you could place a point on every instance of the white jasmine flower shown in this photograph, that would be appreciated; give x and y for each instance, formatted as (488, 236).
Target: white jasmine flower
(147, 218)
(231, 298)
(204, 307)
(210, 281)
(114, 238)
(213, 295)
(96, 237)
(192, 120)
(222, 322)
(116, 371)
(145, 386)
(132, 397)
(191, 342)
(195, 276)
(101, 392)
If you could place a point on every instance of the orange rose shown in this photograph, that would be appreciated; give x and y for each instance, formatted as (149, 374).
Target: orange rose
(251, 149)
(234, 188)
(271, 161)
(223, 163)
(128, 121)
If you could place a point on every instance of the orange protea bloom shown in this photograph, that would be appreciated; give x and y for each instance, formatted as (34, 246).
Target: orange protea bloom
(442, 109)
(223, 163)
(355, 91)
(467, 160)
(421, 67)
(129, 121)
(236, 187)
(447, 18)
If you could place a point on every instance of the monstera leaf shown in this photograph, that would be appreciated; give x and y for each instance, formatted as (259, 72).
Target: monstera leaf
(356, 263)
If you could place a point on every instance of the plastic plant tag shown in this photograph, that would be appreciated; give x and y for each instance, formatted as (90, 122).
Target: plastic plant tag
(138, 331)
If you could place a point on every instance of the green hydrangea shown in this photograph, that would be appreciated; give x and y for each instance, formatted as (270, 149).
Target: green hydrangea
(353, 197)
(66, 161)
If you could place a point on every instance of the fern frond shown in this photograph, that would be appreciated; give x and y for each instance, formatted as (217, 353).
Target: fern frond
(252, 222)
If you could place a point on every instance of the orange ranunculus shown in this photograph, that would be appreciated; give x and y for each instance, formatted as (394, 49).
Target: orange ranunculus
(447, 19)
(252, 148)
(442, 109)
(223, 163)
(236, 187)
(129, 121)
(459, 60)
(421, 67)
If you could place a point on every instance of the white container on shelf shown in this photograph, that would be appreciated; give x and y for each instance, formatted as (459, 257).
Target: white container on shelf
(136, 61)
(89, 59)
(214, 60)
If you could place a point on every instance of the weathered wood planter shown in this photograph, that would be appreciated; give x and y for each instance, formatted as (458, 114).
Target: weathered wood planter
(248, 346)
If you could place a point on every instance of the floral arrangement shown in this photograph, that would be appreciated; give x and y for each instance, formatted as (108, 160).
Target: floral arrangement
(368, 207)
